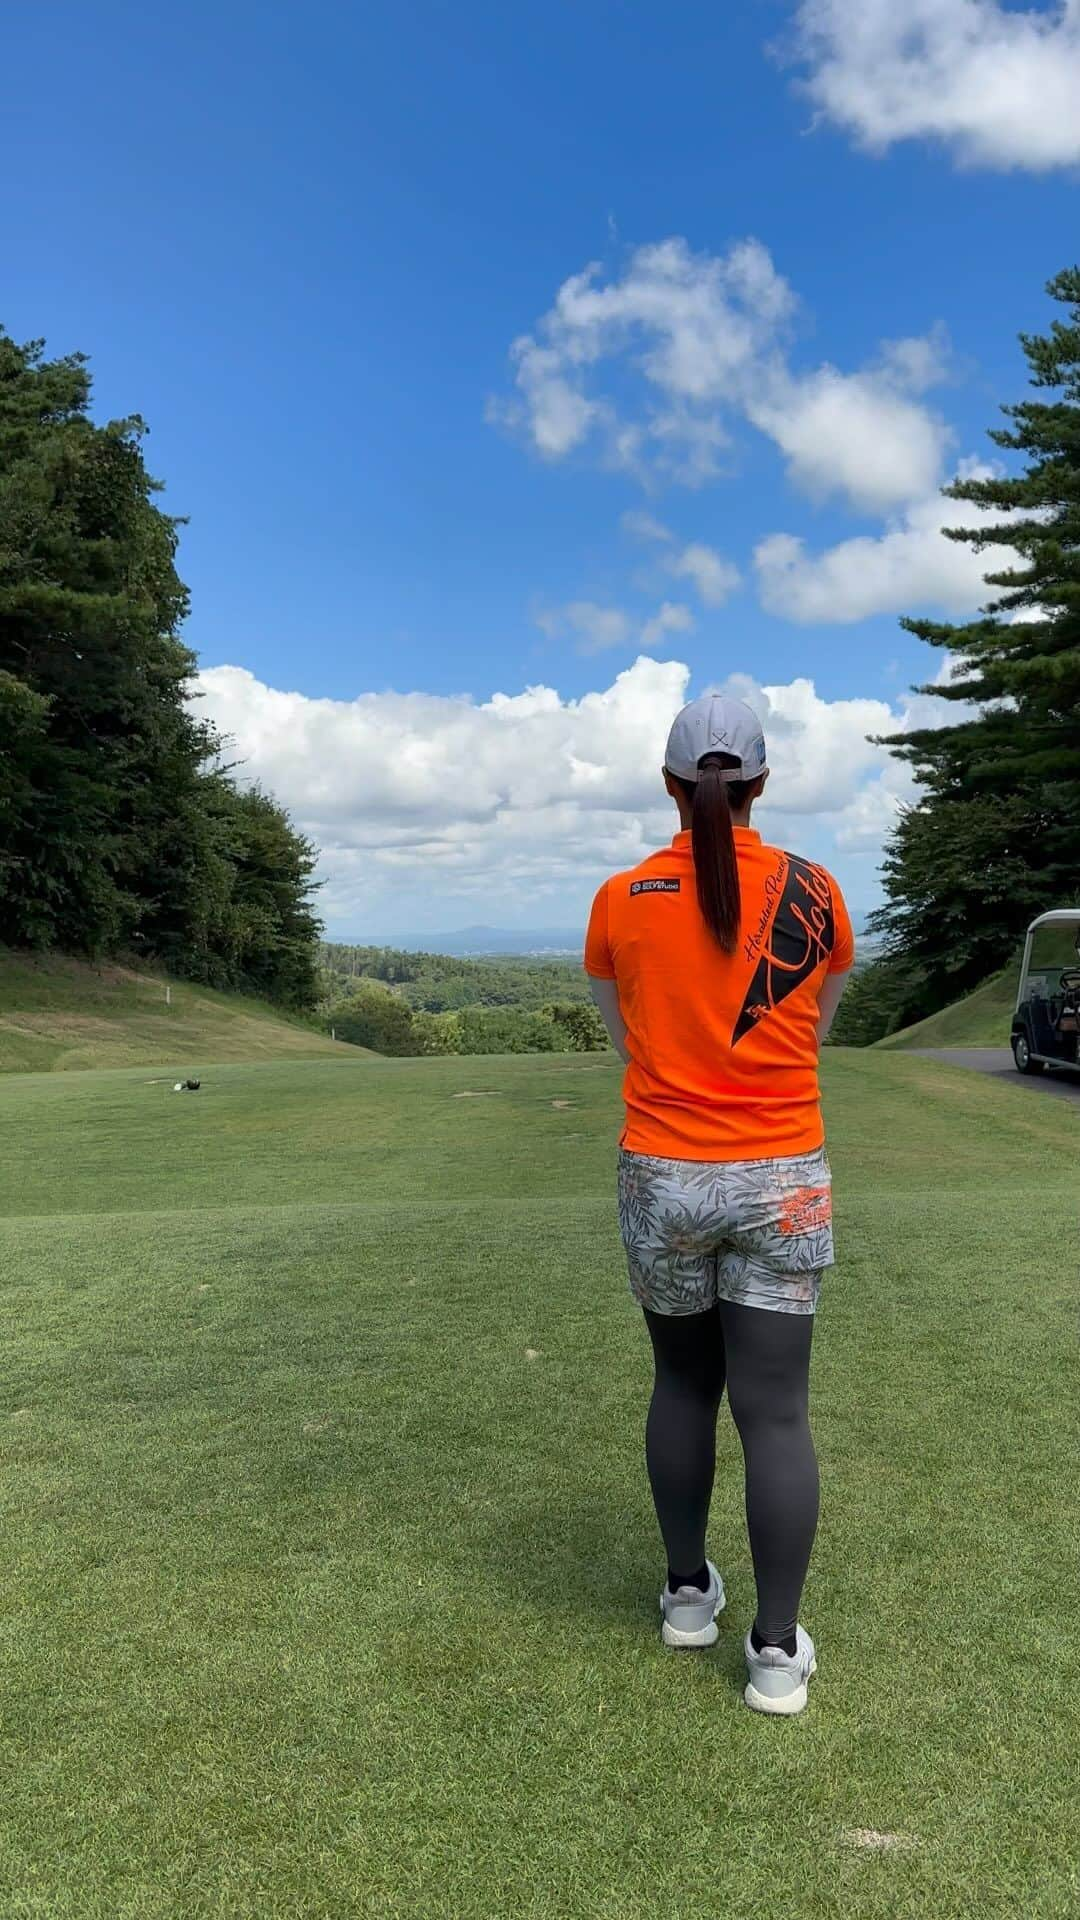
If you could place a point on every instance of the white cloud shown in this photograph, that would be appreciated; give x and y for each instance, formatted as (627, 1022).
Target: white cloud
(429, 809)
(859, 434)
(908, 568)
(691, 324)
(669, 618)
(876, 806)
(819, 750)
(713, 576)
(593, 627)
(643, 526)
(998, 85)
(919, 361)
(559, 414)
(1027, 616)
(649, 370)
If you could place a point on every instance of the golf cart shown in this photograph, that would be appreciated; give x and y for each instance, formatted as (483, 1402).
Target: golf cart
(1046, 1023)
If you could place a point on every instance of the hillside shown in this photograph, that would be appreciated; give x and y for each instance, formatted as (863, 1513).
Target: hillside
(980, 1020)
(60, 1014)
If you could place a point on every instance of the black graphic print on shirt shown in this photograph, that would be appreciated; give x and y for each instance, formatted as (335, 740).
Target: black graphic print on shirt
(795, 941)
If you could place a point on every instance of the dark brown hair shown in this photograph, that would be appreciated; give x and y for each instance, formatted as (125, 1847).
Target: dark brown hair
(715, 865)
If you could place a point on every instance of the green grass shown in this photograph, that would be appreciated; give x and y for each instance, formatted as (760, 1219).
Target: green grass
(321, 1597)
(57, 1013)
(982, 1019)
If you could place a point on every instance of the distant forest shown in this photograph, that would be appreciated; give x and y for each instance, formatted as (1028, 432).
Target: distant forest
(426, 1003)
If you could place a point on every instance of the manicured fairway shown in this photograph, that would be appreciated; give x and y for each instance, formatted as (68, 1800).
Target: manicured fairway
(330, 1572)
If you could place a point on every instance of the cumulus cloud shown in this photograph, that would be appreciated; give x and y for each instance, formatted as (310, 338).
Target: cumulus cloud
(521, 803)
(650, 370)
(998, 85)
(908, 567)
(858, 434)
(692, 324)
(877, 804)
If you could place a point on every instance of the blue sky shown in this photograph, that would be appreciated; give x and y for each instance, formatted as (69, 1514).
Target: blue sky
(302, 242)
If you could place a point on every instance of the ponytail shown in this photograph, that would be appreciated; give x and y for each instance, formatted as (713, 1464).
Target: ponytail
(710, 800)
(713, 841)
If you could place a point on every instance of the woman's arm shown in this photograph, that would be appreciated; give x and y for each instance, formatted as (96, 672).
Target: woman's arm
(606, 995)
(832, 992)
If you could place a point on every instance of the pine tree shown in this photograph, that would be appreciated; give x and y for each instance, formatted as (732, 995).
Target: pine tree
(995, 838)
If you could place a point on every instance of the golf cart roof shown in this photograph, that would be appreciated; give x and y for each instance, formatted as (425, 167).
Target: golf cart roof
(1061, 917)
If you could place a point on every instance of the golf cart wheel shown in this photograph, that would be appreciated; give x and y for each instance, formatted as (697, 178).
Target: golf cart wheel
(1022, 1055)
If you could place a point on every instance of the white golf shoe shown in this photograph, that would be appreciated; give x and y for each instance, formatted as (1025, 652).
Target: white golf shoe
(689, 1616)
(777, 1680)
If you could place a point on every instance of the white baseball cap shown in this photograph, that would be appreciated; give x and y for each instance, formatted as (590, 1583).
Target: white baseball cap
(716, 724)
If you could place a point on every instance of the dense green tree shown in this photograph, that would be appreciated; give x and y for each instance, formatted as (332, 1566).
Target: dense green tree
(995, 835)
(584, 1029)
(881, 997)
(436, 1033)
(23, 722)
(376, 1017)
(89, 606)
(508, 1030)
(373, 1017)
(273, 926)
(117, 833)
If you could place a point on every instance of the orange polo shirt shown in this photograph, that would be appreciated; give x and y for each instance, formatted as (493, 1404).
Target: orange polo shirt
(723, 1047)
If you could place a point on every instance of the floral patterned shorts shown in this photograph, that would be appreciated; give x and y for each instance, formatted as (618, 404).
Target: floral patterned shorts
(756, 1232)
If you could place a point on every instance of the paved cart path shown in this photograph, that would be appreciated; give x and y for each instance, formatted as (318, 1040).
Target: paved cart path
(999, 1062)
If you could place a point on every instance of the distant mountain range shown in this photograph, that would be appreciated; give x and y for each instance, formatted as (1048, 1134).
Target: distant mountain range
(538, 943)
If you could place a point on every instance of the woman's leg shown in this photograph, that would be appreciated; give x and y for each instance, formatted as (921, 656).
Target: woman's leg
(768, 1367)
(680, 1433)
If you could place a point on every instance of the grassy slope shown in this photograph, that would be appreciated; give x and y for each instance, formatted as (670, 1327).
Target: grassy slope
(57, 1013)
(980, 1020)
(330, 1568)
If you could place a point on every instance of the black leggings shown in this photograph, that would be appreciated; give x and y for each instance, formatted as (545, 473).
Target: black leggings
(765, 1359)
